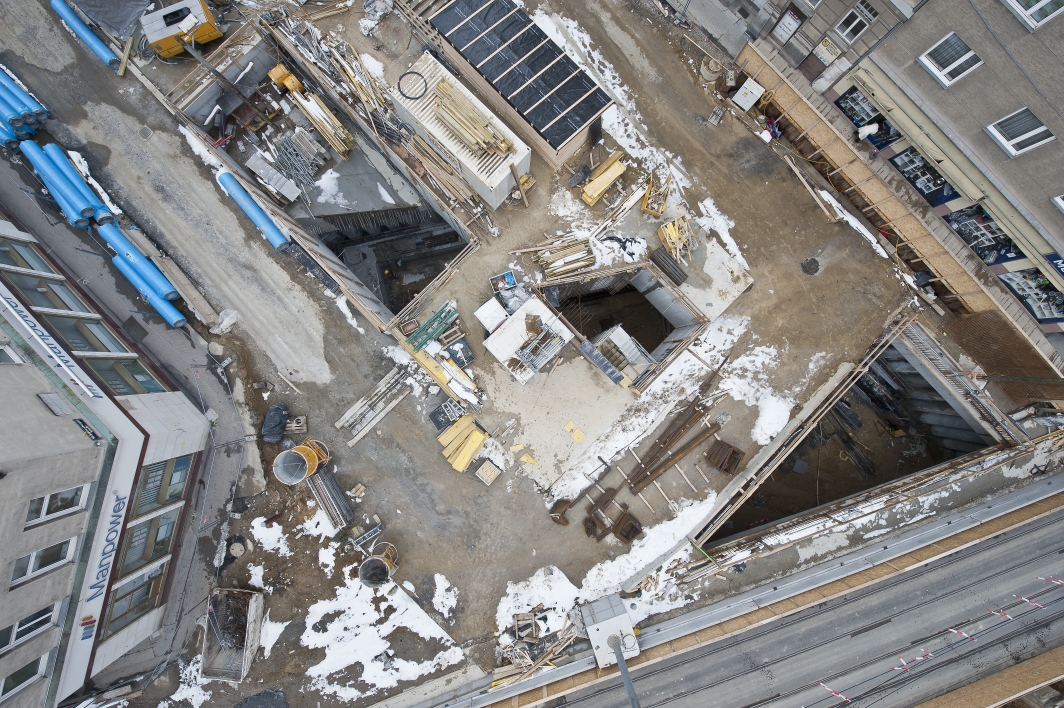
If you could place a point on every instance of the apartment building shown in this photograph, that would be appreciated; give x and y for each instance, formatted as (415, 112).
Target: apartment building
(961, 172)
(98, 457)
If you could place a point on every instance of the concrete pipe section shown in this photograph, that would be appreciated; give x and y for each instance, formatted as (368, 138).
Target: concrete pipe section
(377, 570)
(293, 466)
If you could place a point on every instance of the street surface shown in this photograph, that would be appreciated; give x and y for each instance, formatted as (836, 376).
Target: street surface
(886, 645)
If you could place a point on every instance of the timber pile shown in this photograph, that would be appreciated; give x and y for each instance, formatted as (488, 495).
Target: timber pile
(676, 237)
(357, 76)
(324, 121)
(439, 172)
(566, 255)
(655, 197)
(468, 124)
(462, 442)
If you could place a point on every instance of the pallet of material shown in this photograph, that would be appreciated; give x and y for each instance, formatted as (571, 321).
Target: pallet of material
(597, 187)
(724, 457)
(462, 442)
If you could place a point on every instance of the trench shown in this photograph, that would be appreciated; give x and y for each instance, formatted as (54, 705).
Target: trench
(894, 422)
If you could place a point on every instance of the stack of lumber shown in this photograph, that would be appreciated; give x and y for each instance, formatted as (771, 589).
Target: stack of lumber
(439, 172)
(357, 76)
(468, 124)
(676, 237)
(564, 256)
(324, 121)
(603, 177)
(462, 442)
(655, 197)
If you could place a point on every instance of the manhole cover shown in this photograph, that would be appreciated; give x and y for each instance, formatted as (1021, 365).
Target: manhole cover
(146, 132)
(811, 266)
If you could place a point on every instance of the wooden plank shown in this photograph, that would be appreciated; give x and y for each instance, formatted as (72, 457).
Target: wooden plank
(365, 400)
(457, 428)
(377, 418)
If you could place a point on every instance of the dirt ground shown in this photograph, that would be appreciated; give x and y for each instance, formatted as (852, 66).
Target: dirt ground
(478, 537)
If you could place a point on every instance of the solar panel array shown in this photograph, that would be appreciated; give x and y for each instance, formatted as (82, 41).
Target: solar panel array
(526, 67)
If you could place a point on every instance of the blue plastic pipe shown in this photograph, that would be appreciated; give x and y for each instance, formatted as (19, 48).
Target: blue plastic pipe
(7, 136)
(85, 34)
(18, 95)
(254, 211)
(167, 311)
(147, 270)
(59, 158)
(15, 103)
(9, 115)
(56, 180)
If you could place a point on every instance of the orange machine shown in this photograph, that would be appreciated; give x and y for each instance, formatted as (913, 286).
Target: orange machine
(191, 20)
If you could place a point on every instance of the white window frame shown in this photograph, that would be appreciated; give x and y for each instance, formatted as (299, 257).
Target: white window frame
(942, 75)
(1007, 145)
(45, 516)
(1024, 14)
(42, 669)
(862, 15)
(31, 574)
(1058, 202)
(16, 358)
(53, 619)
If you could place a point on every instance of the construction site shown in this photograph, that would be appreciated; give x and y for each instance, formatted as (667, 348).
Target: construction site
(542, 319)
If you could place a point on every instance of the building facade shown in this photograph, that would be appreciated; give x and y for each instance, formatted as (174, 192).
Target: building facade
(961, 172)
(98, 455)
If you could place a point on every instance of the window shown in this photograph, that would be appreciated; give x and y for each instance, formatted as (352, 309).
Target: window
(148, 541)
(85, 335)
(27, 627)
(22, 255)
(19, 678)
(57, 504)
(856, 21)
(124, 377)
(43, 560)
(133, 600)
(1019, 132)
(1035, 13)
(1058, 202)
(162, 483)
(39, 292)
(950, 59)
(8, 355)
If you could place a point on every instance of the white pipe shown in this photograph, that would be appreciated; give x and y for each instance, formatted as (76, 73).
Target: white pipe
(245, 71)
(211, 116)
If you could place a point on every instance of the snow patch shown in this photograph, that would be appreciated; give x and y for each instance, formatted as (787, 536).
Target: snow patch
(373, 65)
(445, 598)
(713, 219)
(384, 194)
(341, 302)
(558, 594)
(327, 559)
(255, 578)
(329, 188)
(854, 223)
(317, 525)
(201, 150)
(745, 379)
(83, 169)
(357, 633)
(271, 631)
(271, 538)
(190, 689)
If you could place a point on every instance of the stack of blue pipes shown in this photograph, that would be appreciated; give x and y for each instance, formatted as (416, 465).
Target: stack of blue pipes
(81, 205)
(20, 113)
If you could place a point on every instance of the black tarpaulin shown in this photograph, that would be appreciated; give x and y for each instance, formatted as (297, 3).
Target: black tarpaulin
(117, 17)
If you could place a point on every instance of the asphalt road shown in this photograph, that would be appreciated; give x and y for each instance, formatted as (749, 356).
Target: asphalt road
(886, 645)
